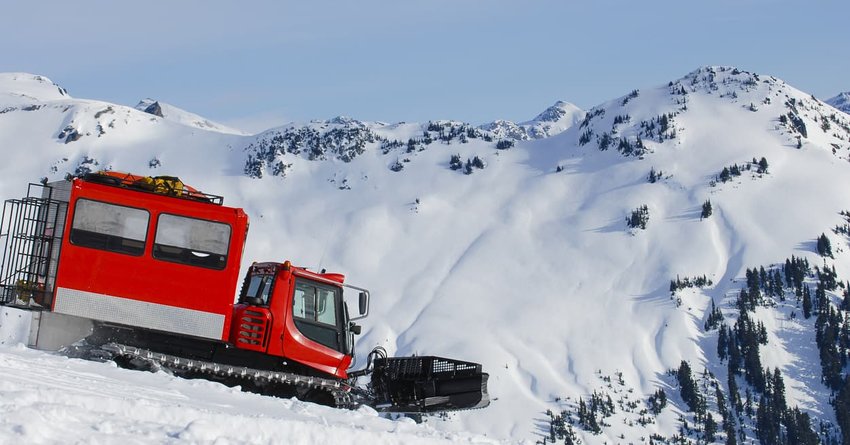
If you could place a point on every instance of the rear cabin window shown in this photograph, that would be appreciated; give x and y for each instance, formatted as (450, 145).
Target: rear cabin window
(111, 227)
(191, 241)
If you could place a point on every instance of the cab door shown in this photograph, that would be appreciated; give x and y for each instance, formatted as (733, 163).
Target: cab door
(317, 313)
(315, 329)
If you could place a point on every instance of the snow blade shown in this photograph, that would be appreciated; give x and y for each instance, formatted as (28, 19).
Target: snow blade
(428, 384)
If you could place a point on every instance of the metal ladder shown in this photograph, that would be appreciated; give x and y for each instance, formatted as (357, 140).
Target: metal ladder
(30, 238)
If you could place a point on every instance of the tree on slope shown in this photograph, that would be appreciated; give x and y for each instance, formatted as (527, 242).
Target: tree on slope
(824, 246)
(706, 209)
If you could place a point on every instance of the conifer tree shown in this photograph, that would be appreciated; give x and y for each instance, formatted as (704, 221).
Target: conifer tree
(842, 410)
(688, 388)
(824, 246)
(722, 343)
(706, 209)
(807, 303)
(710, 429)
(762, 166)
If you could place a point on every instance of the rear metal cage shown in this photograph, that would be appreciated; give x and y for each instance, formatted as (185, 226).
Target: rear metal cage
(30, 237)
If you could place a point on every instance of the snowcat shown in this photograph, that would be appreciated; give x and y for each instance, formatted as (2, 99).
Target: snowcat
(144, 271)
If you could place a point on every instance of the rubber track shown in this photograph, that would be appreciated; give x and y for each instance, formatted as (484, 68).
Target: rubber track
(342, 392)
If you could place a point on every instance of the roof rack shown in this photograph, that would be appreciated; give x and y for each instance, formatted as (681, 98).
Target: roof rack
(161, 185)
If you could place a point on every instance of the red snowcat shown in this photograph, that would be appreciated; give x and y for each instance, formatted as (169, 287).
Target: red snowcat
(144, 270)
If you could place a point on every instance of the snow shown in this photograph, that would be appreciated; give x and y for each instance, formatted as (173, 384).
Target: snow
(53, 399)
(528, 270)
(23, 88)
(555, 119)
(175, 114)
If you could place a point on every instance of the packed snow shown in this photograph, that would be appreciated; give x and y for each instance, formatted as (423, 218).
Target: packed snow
(526, 266)
(49, 398)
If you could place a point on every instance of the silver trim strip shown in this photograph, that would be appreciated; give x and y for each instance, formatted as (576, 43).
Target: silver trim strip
(138, 313)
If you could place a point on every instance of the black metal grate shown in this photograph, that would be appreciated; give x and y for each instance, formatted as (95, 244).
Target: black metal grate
(427, 367)
(30, 237)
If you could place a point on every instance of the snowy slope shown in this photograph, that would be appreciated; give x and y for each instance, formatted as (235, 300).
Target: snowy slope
(53, 399)
(172, 113)
(526, 265)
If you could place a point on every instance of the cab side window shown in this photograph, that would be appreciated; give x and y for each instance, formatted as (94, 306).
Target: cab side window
(111, 227)
(191, 241)
(314, 309)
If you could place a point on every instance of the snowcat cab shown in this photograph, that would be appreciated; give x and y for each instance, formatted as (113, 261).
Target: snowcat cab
(292, 312)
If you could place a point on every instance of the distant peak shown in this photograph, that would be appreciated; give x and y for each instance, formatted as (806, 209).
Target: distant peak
(181, 116)
(841, 101)
(31, 86)
(556, 112)
(342, 120)
(150, 106)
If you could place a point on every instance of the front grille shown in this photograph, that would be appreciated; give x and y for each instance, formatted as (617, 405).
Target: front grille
(253, 329)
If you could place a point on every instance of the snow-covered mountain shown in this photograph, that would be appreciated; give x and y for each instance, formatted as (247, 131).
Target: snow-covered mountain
(841, 101)
(553, 120)
(172, 113)
(576, 267)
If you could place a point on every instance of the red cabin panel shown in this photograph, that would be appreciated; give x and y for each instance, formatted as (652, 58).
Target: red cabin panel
(285, 338)
(148, 259)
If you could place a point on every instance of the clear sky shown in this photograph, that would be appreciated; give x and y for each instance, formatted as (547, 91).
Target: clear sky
(255, 64)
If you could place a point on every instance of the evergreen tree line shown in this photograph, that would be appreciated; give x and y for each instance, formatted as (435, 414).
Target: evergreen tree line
(597, 406)
(623, 145)
(843, 229)
(560, 428)
(659, 128)
(448, 131)
(688, 282)
(796, 123)
(455, 163)
(773, 413)
(597, 112)
(775, 422)
(631, 96)
(761, 166)
(832, 335)
(585, 137)
(697, 404)
(654, 176)
(622, 119)
(639, 218)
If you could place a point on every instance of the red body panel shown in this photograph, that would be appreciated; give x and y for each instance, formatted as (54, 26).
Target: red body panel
(144, 278)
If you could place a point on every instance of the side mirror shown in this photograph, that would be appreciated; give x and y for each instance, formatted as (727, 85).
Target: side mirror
(354, 328)
(363, 303)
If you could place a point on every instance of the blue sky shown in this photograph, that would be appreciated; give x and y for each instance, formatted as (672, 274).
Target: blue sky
(257, 64)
